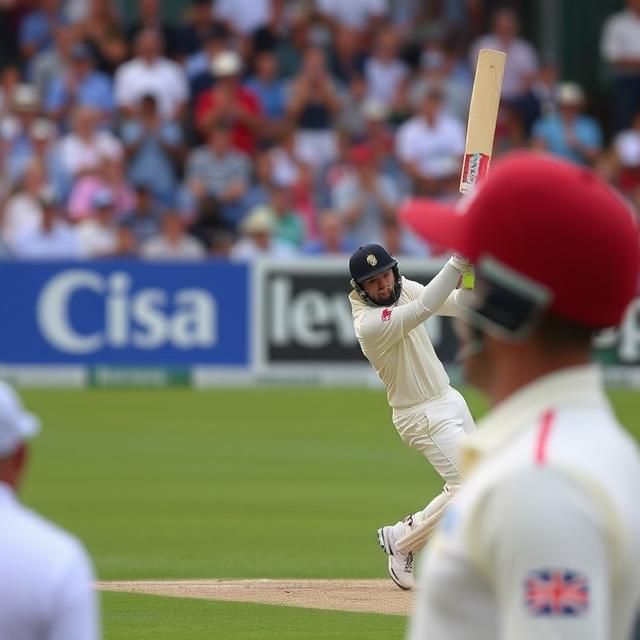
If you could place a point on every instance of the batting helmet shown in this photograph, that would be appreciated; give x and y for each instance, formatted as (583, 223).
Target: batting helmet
(367, 262)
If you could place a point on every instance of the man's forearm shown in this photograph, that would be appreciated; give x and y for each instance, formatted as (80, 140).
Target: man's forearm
(435, 294)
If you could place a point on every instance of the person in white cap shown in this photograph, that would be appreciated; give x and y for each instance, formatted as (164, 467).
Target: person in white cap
(258, 238)
(542, 540)
(46, 575)
(229, 103)
(568, 132)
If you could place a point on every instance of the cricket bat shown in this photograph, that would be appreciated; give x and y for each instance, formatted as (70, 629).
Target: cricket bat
(481, 125)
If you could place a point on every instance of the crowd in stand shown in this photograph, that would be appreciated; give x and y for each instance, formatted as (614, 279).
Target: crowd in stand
(270, 127)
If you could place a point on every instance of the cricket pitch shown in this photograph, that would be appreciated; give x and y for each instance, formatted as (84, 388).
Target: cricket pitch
(360, 596)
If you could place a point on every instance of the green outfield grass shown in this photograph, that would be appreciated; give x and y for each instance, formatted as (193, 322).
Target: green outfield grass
(271, 483)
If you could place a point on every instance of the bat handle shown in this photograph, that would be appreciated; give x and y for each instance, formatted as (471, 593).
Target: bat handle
(468, 280)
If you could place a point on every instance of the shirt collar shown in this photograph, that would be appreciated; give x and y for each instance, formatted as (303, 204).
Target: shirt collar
(579, 385)
(7, 494)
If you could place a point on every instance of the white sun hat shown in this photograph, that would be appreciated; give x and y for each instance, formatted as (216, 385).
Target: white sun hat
(226, 63)
(16, 423)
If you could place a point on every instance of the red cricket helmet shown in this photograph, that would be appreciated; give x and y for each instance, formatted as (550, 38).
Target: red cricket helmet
(545, 235)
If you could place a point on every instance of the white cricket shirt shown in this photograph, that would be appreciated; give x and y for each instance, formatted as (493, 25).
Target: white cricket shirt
(431, 148)
(395, 341)
(162, 78)
(543, 539)
(46, 578)
(621, 37)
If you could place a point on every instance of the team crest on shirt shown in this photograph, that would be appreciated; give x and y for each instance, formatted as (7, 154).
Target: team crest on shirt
(372, 261)
(386, 315)
(556, 592)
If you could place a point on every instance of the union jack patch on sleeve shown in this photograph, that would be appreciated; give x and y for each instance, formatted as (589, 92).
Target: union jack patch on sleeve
(556, 592)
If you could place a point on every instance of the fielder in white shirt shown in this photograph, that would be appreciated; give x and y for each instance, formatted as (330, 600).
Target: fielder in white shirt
(389, 312)
(46, 576)
(542, 541)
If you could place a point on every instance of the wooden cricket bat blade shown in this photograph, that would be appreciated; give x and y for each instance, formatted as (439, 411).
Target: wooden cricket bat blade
(483, 115)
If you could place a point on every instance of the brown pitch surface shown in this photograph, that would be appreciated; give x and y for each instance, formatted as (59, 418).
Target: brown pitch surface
(361, 596)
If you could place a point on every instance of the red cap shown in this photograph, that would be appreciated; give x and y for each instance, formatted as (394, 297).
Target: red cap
(559, 224)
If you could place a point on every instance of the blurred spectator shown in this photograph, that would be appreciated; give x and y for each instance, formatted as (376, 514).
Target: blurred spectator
(76, 10)
(244, 17)
(53, 62)
(199, 65)
(428, 143)
(261, 180)
(286, 168)
(9, 82)
(366, 197)
(569, 133)
(53, 238)
(620, 47)
(150, 17)
(540, 98)
(230, 103)
(216, 169)
(437, 70)
(522, 60)
(99, 235)
(38, 27)
(313, 104)
(143, 220)
(211, 229)
(384, 71)
(444, 18)
(257, 239)
(41, 147)
(331, 238)
(511, 133)
(362, 15)
(379, 136)
(199, 24)
(150, 73)
(108, 176)
(290, 47)
(16, 124)
(346, 59)
(22, 212)
(102, 30)
(399, 241)
(626, 152)
(405, 15)
(269, 89)
(289, 224)
(79, 85)
(11, 13)
(172, 243)
(351, 117)
(154, 149)
(83, 148)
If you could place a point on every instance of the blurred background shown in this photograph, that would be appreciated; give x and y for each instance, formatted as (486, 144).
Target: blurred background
(182, 180)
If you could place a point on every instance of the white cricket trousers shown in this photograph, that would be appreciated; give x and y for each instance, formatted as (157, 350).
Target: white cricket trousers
(436, 429)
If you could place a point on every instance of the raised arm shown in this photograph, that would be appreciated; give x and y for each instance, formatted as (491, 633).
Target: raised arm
(388, 325)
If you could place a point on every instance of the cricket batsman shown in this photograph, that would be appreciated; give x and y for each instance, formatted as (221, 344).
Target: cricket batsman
(389, 312)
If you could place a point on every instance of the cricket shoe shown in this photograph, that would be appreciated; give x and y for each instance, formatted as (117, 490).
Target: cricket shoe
(400, 564)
